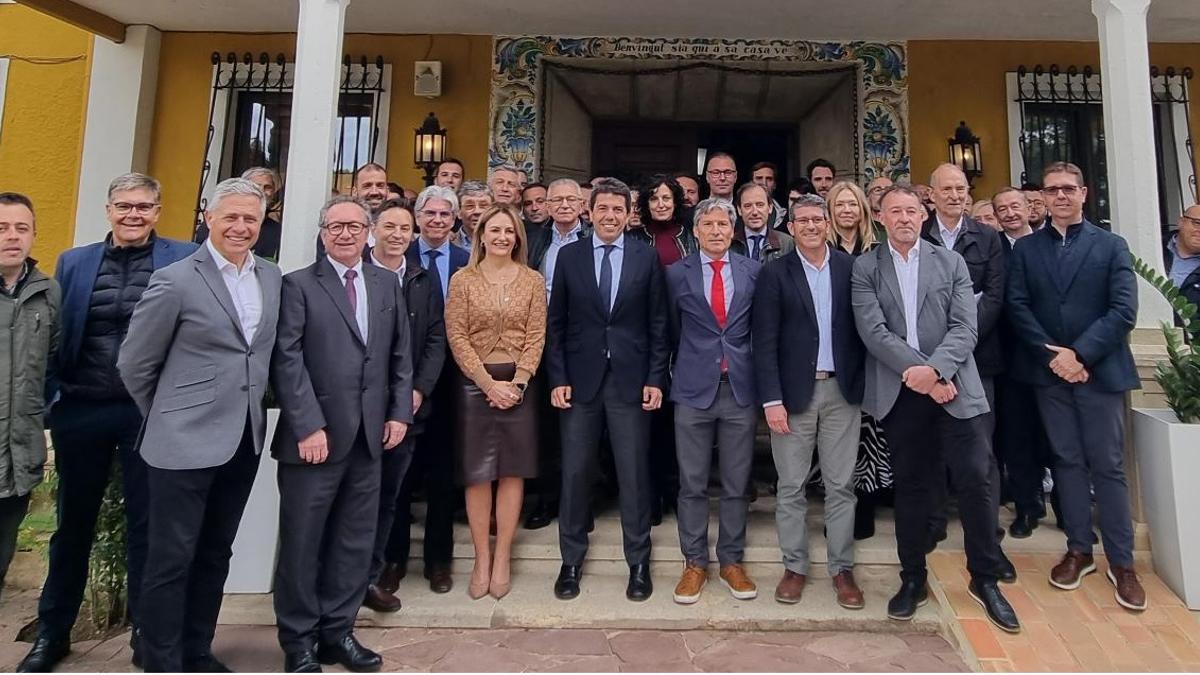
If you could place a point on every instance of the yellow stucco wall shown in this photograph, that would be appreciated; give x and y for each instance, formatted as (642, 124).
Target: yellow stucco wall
(41, 136)
(185, 76)
(950, 81)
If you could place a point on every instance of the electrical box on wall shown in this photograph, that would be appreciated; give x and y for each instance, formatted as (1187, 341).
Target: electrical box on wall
(427, 79)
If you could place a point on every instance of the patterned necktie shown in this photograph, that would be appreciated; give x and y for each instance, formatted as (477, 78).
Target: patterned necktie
(351, 292)
(606, 279)
(433, 254)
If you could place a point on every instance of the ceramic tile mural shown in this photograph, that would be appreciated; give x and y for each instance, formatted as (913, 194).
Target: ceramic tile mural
(883, 111)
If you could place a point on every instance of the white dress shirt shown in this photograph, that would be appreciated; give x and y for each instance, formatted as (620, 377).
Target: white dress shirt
(360, 291)
(949, 237)
(399, 272)
(820, 284)
(243, 289)
(907, 274)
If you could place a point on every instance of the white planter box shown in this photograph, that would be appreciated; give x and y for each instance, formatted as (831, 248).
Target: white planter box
(252, 568)
(1168, 458)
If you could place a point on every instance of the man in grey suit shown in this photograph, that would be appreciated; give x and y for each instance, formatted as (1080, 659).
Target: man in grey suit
(195, 361)
(710, 294)
(342, 372)
(916, 315)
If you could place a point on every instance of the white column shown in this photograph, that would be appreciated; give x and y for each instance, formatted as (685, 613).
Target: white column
(314, 113)
(120, 116)
(1129, 140)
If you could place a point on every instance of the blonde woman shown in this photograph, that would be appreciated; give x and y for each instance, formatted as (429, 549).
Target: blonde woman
(852, 230)
(496, 327)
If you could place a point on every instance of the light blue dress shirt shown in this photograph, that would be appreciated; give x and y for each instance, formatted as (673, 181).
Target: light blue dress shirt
(443, 263)
(551, 258)
(1181, 267)
(820, 284)
(614, 260)
(726, 278)
(360, 292)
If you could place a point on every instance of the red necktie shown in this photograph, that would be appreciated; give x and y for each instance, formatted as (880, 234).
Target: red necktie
(717, 300)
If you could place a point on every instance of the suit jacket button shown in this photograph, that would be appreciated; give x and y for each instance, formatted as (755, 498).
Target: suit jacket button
(367, 360)
(245, 388)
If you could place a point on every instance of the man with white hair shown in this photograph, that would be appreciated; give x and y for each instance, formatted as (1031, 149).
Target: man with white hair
(195, 361)
(505, 182)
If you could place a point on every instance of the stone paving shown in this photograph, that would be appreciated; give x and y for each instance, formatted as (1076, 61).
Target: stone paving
(1069, 631)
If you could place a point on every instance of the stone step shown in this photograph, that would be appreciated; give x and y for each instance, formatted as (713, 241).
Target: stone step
(602, 604)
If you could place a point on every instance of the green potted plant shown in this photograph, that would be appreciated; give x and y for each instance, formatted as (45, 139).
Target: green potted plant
(1167, 447)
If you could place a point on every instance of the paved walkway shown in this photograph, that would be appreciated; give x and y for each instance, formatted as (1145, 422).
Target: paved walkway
(1082, 630)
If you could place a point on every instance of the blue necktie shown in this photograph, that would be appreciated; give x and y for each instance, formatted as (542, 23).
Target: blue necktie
(433, 254)
(606, 279)
(755, 246)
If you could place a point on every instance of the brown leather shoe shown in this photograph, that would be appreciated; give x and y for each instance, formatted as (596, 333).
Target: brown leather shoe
(687, 591)
(790, 587)
(380, 600)
(848, 593)
(739, 585)
(389, 579)
(1130, 593)
(1068, 574)
(439, 578)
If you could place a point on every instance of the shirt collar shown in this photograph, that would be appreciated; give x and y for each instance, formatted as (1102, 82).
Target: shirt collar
(571, 235)
(945, 231)
(913, 254)
(705, 259)
(424, 246)
(223, 264)
(25, 269)
(1173, 246)
(400, 271)
(824, 263)
(619, 243)
(341, 269)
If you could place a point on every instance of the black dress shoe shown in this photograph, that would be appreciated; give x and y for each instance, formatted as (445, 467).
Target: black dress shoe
(1023, 526)
(439, 578)
(380, 600)
(566, 587)
(45, 654)
(135, 645)
(542, 515)
(998, 611)
(639, 587)
(301, 662)
(389, 578)
(903, 605)
(656, 513)
(1007, 572)
(351, 655)
(205, 664)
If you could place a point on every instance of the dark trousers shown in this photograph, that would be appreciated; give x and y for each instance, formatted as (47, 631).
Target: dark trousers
(327, 517)
(940, 492)
(12, 512)
(394, 467)
(549, 478)
(664, 465)
(87, 435)
(923, 435)
(629, 430)
(194, 517)
(1086, 428)
(1021, 444)
(432, 467)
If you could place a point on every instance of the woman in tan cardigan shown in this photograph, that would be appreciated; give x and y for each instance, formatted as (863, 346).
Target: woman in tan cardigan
(496, 327)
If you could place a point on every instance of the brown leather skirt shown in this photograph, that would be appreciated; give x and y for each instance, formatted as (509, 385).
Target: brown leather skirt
(494, 443)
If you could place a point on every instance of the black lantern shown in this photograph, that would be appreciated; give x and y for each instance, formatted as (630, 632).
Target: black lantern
(429, 147)
(964, 152)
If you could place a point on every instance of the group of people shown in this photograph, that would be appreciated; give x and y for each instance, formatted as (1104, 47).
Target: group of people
(488, 334)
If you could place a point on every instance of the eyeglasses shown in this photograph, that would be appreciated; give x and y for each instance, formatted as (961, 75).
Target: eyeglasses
(1193, 221)
(445, 215)
(722, 173)
(564, 200)
(1065, 190)
(354, 227)
(143, 208)
(805, 222)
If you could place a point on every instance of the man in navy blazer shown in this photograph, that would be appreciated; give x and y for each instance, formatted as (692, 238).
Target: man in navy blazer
(433, 457)
(1072, 299)
(606, 361)
(93, 420)
(810, 381)
(711, 293)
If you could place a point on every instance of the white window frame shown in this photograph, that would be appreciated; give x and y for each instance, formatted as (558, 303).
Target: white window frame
(222, 129)
(3, 88)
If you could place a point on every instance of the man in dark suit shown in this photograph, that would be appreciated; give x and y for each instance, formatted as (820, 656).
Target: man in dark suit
(94, 421)
(564, 199)
(196, 360)
(810, 380)
(711, 293)
(395, 231)
(342, 372)
(1072, 296)
(1021, 443)
(607, 361)
(915, 312)
(1182, 255)
(951, 227)
(433, 456)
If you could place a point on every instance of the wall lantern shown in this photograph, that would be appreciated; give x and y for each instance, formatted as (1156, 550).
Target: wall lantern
(964, 152)
(429, 147)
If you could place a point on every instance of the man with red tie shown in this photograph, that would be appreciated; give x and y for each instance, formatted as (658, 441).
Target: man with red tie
(711, 293)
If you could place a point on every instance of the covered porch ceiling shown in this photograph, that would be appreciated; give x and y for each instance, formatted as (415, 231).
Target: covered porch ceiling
(1169, 21)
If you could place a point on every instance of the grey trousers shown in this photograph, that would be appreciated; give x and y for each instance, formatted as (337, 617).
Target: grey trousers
(732, 427)
(1086, 428)
(831, 424)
